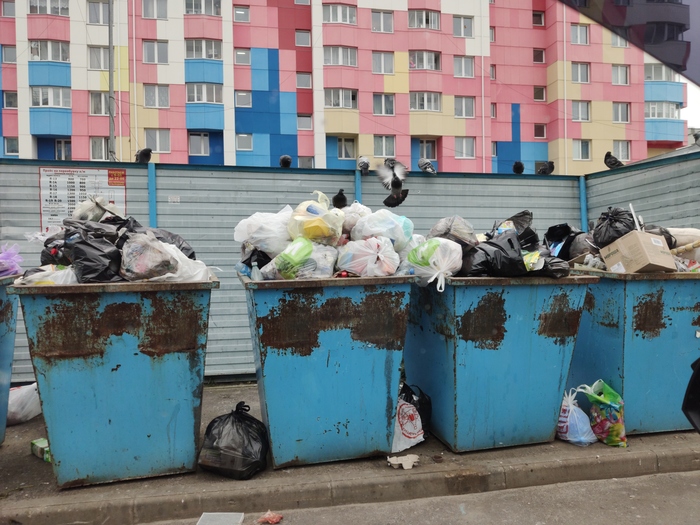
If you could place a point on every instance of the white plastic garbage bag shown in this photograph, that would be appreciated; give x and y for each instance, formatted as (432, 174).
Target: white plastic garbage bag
(265, 231)
(436, 258)
(408, 428)
(23, 404)
(405, 266)
(186, 270)
(49, 275)
(353, 214)
(385, 224)
(574, 424)
(373, 257)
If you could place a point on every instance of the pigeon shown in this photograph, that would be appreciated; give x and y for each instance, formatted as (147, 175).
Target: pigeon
(426, 166)
(363, 164)
(392, 175)
(546, 169)
(696, 136)
(143, 156)
(340, 200)
(611, 161)
(518, 167)
(285, 161)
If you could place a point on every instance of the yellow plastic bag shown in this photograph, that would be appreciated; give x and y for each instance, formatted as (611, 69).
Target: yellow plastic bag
(314, 221)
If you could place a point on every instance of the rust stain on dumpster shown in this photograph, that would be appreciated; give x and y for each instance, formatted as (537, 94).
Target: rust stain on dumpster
(695, 308)
(6, 312)
(649, 315)
(485, 324)
(560, 321)
(176, 321)
(589, 302)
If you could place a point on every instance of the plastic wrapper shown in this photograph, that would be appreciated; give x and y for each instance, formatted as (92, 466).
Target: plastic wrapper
(320, 264)
(607, 413)
(265, 231)
(188, 270)
(456, 229)
(23, 404)
(521, 222)
(419, 399)
(314, 220)
(353, 213)
(96, 229)
(131, 225)
(373, 257)
(436, 259)
(384, 223)
(288, 263)
(567, 242)
(94, 259)
(10, 260)
(499, 257)
(48, 275)
(405, 266)
(574, 425)
(95, 208)
(612, 224)
(144, 257)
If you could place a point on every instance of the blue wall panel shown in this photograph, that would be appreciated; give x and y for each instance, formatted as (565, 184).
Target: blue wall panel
(204, 70)
(49, 74)
(526, 152)
(332, 160)
(260, 156)
(664, 129)
(204, 117)
(283, 145)
(216, 151)
(50, 122)
(663, 91)
(46, 148)
(260, 77)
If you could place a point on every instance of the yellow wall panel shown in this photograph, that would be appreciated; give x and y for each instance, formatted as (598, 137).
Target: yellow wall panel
(342, 121)
(398, 82)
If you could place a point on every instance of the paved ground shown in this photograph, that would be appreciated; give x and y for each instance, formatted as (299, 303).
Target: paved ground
(29, 496)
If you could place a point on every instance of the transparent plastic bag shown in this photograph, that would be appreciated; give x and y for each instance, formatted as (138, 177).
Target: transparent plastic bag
(265, 231)
(188, 270)
(321, 263)
(144, 257)
(436, 259)
(384, 223)
(373, 257)
(9, 260)
(314, 220)
(48, 275)
(23, 404)
(456, 229)
(95, 208)
(288, 263)
(353, 213)
(405, 266)
(574, 425)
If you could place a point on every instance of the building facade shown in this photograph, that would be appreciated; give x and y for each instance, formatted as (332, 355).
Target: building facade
(473, 86)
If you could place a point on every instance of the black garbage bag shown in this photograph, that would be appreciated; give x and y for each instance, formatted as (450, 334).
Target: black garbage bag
(131, 225)
(95, 229)
(522, 222)
(499, 257)
(456, 229)
(660, 230)
(53, 251)
(94, 259)
(691, 401)
(419, 399)
(257, 256)
(553, 267)
(235, 445)
(564, 242)
(612, 225)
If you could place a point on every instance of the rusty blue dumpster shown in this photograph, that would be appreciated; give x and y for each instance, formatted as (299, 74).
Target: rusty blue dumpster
(120, 371)
(640, 333)
(8, 323)
(494, 355)
(327, 359)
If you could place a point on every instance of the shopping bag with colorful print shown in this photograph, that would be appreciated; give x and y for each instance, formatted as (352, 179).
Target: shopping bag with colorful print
(607, 413)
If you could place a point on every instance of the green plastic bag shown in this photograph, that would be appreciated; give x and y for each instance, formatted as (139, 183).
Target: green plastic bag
(607, 413)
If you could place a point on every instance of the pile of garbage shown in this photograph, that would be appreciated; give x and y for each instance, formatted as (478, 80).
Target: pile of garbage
(99, 244)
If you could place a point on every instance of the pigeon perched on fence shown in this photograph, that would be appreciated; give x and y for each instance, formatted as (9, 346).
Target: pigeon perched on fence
(285, 161)
(143, 156)
(426, 166)
(696, 136)
(546, 169)
(340, 200)
(392, 175)
(611, 161)
(518, 167)
(363, 164)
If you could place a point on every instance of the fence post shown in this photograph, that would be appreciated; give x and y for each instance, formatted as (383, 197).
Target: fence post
(152, 201)
(583, 202)
(358, 186)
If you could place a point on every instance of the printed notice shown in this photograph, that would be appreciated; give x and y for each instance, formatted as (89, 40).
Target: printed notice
(61, 190)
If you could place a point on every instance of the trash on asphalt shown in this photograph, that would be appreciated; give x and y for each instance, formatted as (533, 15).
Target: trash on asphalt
(270, 517)
(23, 404)
(40, 448)
(607, 414)
(221, 518)
(406, 462)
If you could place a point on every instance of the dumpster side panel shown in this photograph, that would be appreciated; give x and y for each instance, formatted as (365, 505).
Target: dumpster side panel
(8, 322)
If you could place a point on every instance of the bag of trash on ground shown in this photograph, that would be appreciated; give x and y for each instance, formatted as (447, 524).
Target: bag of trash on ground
(235, 445)
(384, 223)
(419, 399)
(607, 415)
(94, 259)
(408, 428)
(353, 213)
(456, 229)
(187, 270)
(23, 404)
(436, 259)
(48, 275)
(373, 257)
(314, 220)
(574, 425)
(288, 263)
(405, 266)
(144, 257)
(9, 260)
(265, 231)
(611, 225)
(498, 257)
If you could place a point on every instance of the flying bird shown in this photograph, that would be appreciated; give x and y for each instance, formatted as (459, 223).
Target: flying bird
(143, 156)
(546, 169)
(340, 200)
(518, 167)
(611, 161)
(285, 161)
(363, 164)
(426, 166)
(392, 175)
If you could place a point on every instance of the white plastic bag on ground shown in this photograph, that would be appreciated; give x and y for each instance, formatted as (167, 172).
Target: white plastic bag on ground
(314, 221)
(265, 231)
(353, 214)
(49, 275)
(436, 258)
(408, 428)
(373, 257)
(384, 223)
(23, 404)
(574, 425)
(187, 269)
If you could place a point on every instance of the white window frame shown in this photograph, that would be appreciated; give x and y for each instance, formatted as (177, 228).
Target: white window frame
(242, 137)
(339, 14)
(339, 56)
(6, 51)
(464, 107)
(383, 99)
(618, 41)
(424, 60)
(104, 103)
(621, 113)
(305, 122)
(204, 93)
(5, 97)
(155, 9)
(343, 151)
(425, 101)
(659, 73)
(492, 34)
(161, 136)
(55, 97)
(241, 57)
(60, 146)
(492, 71)
(662, 110)
(424, 148)
(463, 66)
(387, 145)
(157, 95)
(243, 98)
(305, 162)
(102, 12)
(494, 149)
(103, 143)
(302, 2)
(536, 128)
(580, 111)
(304, 84)
(5, 9)
(538, 18)
(580, 34)
(160, 47)
(241, 13)
(462, 26)
(48, 50)
(49, 7)
(99, 54)
(302, 38)
(622, 149)
(617, 71)
(379, 22)
(385, 61)
(535, 53)
(544, 93)
(197, 48)
(576, 69)
(11, 151)
(578, 149)
(494, 110)
(462, 147)
(206, 7)
(203, 144)
(423, 19)
(340, 98)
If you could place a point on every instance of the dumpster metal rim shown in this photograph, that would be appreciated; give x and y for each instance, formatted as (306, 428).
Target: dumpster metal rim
(9, 279)
(520, 281)
(648, 276)
(140, 286)
(249, 284)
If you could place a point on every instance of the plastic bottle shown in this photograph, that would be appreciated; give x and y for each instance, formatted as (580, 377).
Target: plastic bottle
(255, 273)
(242, 269)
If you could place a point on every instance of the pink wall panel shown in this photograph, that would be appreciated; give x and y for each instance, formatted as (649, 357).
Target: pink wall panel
(146, 73)
(80, 101)
(399, 39)
(48, 27)
(203, 26)
(10, 126)
(7, 32)
(264, 37)
(305, 101)
(80, 147)
(122, 102)
(341, 35)
(178, 99)
(288, 60)
(242, 36)
(242, 77)
(433, 5)
(9, 77)
(98, 126)
(305, 143)
(425, 81)
(341, 76)
(304, 60)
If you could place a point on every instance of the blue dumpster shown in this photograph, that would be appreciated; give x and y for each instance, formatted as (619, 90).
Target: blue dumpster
(494, 355)
(8, 322)
(327, 358)
(120, 371)
(640, 333)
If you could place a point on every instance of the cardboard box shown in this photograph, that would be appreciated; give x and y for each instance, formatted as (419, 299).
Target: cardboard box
(638, 252)
(40, 448)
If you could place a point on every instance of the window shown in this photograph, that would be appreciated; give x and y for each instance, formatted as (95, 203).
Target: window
(383, 63)
(155, 96)
(98, 58)
(304, 80)
(53, 97)
(464, 107)
(668, 110)
(464, 67)
(306, 163)
(621, 112)
(302, 2)
(494, 149)
(424, 101)
(241, 14)
(538, 18)
(9, 54)
(199, 144)
(49, 50)
(382, 22)
(242, 57)
(244, 142)
(340, 98)
(618, 41)
(339, 14)
(384, 145)
(302, 38)
(582, 149)
(205, 93)
(155, 9)
(540, 131)
(419, 19)
(158, 140)
(580, 111)
(428, 149)
(494, 110)
(620, 75)
(539, 93)
(339, 56)
(579, 72)
(492, 72)
(304, 122)
(244, 99)
(63, 149)
(464, 147)
(99, 103)
(462, 26)
(11, 146)
(203, 49)
(155, 52)
(579, 34)
(48, 7)
(346, 148)
(383, 104)
(9, 100)
(621, 149)
(424, 60)
(8, 9)
(211, 7)
(98, 13)
(492, 34)
(99, 148)
(659, 72)
(538, 56)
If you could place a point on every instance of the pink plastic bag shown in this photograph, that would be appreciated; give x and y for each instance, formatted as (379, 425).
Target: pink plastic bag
(9, 260)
